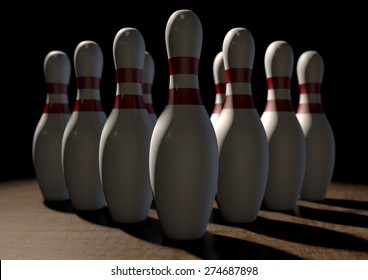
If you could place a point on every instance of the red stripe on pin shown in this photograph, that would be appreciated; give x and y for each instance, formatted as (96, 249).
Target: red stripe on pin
(88, 105)
(56, 108)
(310, 88)
(238, 75)
(183, 65)
(217, 108)
(146, 87)
(314, 108)
(238, 102)
(279, 105)
(278, 83)
(56, 88)
(88, 82)
(149, 108)
(129, 101)
(128, 75)
(185, 96)
(220, 87)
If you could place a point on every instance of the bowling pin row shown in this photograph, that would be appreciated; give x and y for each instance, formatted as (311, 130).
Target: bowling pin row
(289, 155)
(73, 153)
(181, 160)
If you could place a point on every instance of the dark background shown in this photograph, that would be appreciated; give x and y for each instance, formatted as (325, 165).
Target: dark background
(336, 32)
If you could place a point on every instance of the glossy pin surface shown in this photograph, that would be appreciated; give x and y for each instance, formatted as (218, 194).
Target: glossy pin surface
(316, 128)
(183, 150)
(47, 138)
(242, 141)
(80, 146)
(125, 139)
(147, 84)
(287, 148)
(220, 86)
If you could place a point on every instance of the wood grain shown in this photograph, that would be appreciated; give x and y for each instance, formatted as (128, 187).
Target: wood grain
(30, 228)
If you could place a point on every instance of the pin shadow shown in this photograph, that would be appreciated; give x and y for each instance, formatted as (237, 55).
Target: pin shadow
(303, 234)
(346, 203)
(336, 217)
(210, 246)
(229, 248)
(61, 206)
(214, 246)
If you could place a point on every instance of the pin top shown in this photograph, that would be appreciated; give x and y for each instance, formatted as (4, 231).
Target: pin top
(88, 59)
(183, 35)
(129, 49)
(310, 68)
(218, 69)
(148, 69)
(238, 48)
(279, 60)
(57, 67)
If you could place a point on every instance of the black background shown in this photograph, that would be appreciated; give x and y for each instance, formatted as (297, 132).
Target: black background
(336, 32)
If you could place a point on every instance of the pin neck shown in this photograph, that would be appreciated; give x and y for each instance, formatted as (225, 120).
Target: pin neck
(88, 94)
(88, 82)
(279, 89)
(57, 88)
(129, 75)
(184, 86)
(238, 89)
(310, 99)
(147, 97)
(183, 65)
(314, 88)
(278, 98)
(238, 75)
(278, 82)
(57, 99)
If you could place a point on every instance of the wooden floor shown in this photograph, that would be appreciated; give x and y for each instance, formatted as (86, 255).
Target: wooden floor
(336, 228)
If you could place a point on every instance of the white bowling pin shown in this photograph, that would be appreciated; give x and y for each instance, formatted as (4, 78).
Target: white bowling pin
(317, 130)
(80, 146)
(241, 138)
(125, 139)
(287, 148)
(147, 83)
(220, 86)
(183, 151)
(46, 149)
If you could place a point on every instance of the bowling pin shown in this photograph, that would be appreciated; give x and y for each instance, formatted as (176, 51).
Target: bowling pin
(147, 82)
(125, 139)
(220, 86)
(241, 138)
(183, 151)
(287, 148)
(316, 128)
(80, 145)
(46, 148)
